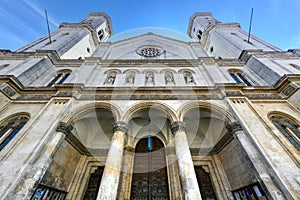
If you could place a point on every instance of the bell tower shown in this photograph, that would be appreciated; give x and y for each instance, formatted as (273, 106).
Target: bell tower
(223, 40)
(75, 40)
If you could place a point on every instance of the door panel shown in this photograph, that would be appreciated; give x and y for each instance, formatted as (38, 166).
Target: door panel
(205, 185)
(150, 179)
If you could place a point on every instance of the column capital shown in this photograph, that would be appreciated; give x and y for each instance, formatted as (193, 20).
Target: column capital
(129, 149)
(65, 128)
(120, 126)
(177, 126)
(233, 127)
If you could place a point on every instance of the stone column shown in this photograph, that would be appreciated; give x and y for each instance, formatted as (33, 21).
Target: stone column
(175, 188)
(126, 176)
(190, 188)
(110, 179)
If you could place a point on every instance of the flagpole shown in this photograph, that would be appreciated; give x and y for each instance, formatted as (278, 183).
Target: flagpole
(250, 26)
(48, 26)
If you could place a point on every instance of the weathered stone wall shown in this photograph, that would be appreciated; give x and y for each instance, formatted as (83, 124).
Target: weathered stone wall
(62, 169)
(238, 168)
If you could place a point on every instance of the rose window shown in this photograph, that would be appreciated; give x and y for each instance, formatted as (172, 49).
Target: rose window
(149, 51)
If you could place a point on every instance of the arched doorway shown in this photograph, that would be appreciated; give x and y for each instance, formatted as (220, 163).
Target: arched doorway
(149, 180)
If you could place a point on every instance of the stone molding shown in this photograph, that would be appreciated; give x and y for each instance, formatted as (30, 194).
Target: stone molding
(65, 128)
(177, 126)
(233, 127)
(120, 126)
(129, 149)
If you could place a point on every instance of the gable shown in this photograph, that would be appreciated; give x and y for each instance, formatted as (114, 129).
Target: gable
(149, 44)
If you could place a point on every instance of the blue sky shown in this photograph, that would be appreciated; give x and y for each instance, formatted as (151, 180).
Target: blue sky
(276, 21)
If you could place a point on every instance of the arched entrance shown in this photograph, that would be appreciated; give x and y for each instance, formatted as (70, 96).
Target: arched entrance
(149, 180)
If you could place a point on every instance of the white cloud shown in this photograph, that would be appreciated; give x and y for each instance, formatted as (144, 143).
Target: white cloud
(40, 11)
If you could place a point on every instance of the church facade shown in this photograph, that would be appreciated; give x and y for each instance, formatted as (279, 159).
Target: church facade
(150, 116)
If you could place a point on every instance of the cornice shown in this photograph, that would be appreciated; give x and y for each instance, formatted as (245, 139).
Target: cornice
(15, 91)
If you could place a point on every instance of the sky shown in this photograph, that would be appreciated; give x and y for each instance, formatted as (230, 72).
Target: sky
(276, 21)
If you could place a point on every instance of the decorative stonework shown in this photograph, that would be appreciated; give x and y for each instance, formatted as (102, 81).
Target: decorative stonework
(150, 51)
(120, 126)
(177, 126)
(233, 127)
(288, 90)
(6, 89)
(64, 128)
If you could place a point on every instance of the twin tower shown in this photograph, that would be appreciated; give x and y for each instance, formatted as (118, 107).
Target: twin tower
(79, 40)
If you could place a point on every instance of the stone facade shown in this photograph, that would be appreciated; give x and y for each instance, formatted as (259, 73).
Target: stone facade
(220, 115)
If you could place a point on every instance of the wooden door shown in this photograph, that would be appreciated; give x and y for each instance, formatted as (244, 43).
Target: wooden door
(149, 179)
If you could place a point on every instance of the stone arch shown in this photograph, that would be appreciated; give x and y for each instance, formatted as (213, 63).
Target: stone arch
(168, 70)
(113, 70)
(160, 136)
(84, 109)
(234, 70)
(11, 126)
(289, 127)
(59, 77)
(147, 105)
(130, 76)
(64, 71)
(213, 108)
(188, 76)
(111, 76)
(284, 115)
(239, 76)
(187, 70)
(131, 70)
(11, 116)
(149, 70)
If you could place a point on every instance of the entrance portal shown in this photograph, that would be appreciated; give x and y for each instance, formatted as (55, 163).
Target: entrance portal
(149, 180)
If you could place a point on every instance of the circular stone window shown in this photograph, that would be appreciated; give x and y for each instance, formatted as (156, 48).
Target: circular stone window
(150, 51)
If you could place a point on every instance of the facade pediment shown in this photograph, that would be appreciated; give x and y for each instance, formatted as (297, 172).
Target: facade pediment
(169, 47)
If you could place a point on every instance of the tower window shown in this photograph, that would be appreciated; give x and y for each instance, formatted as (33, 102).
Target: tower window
(289, 129)
(100, 34)
(199, 34)
(11, 128)
(59, 78)
(239, 77)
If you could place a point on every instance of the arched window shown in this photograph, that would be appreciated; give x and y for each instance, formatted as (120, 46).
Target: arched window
(11, 127)
(239, 77)
(101, 34)
(289, 128)
(60, 77)
(199, 35)
(188, 77)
